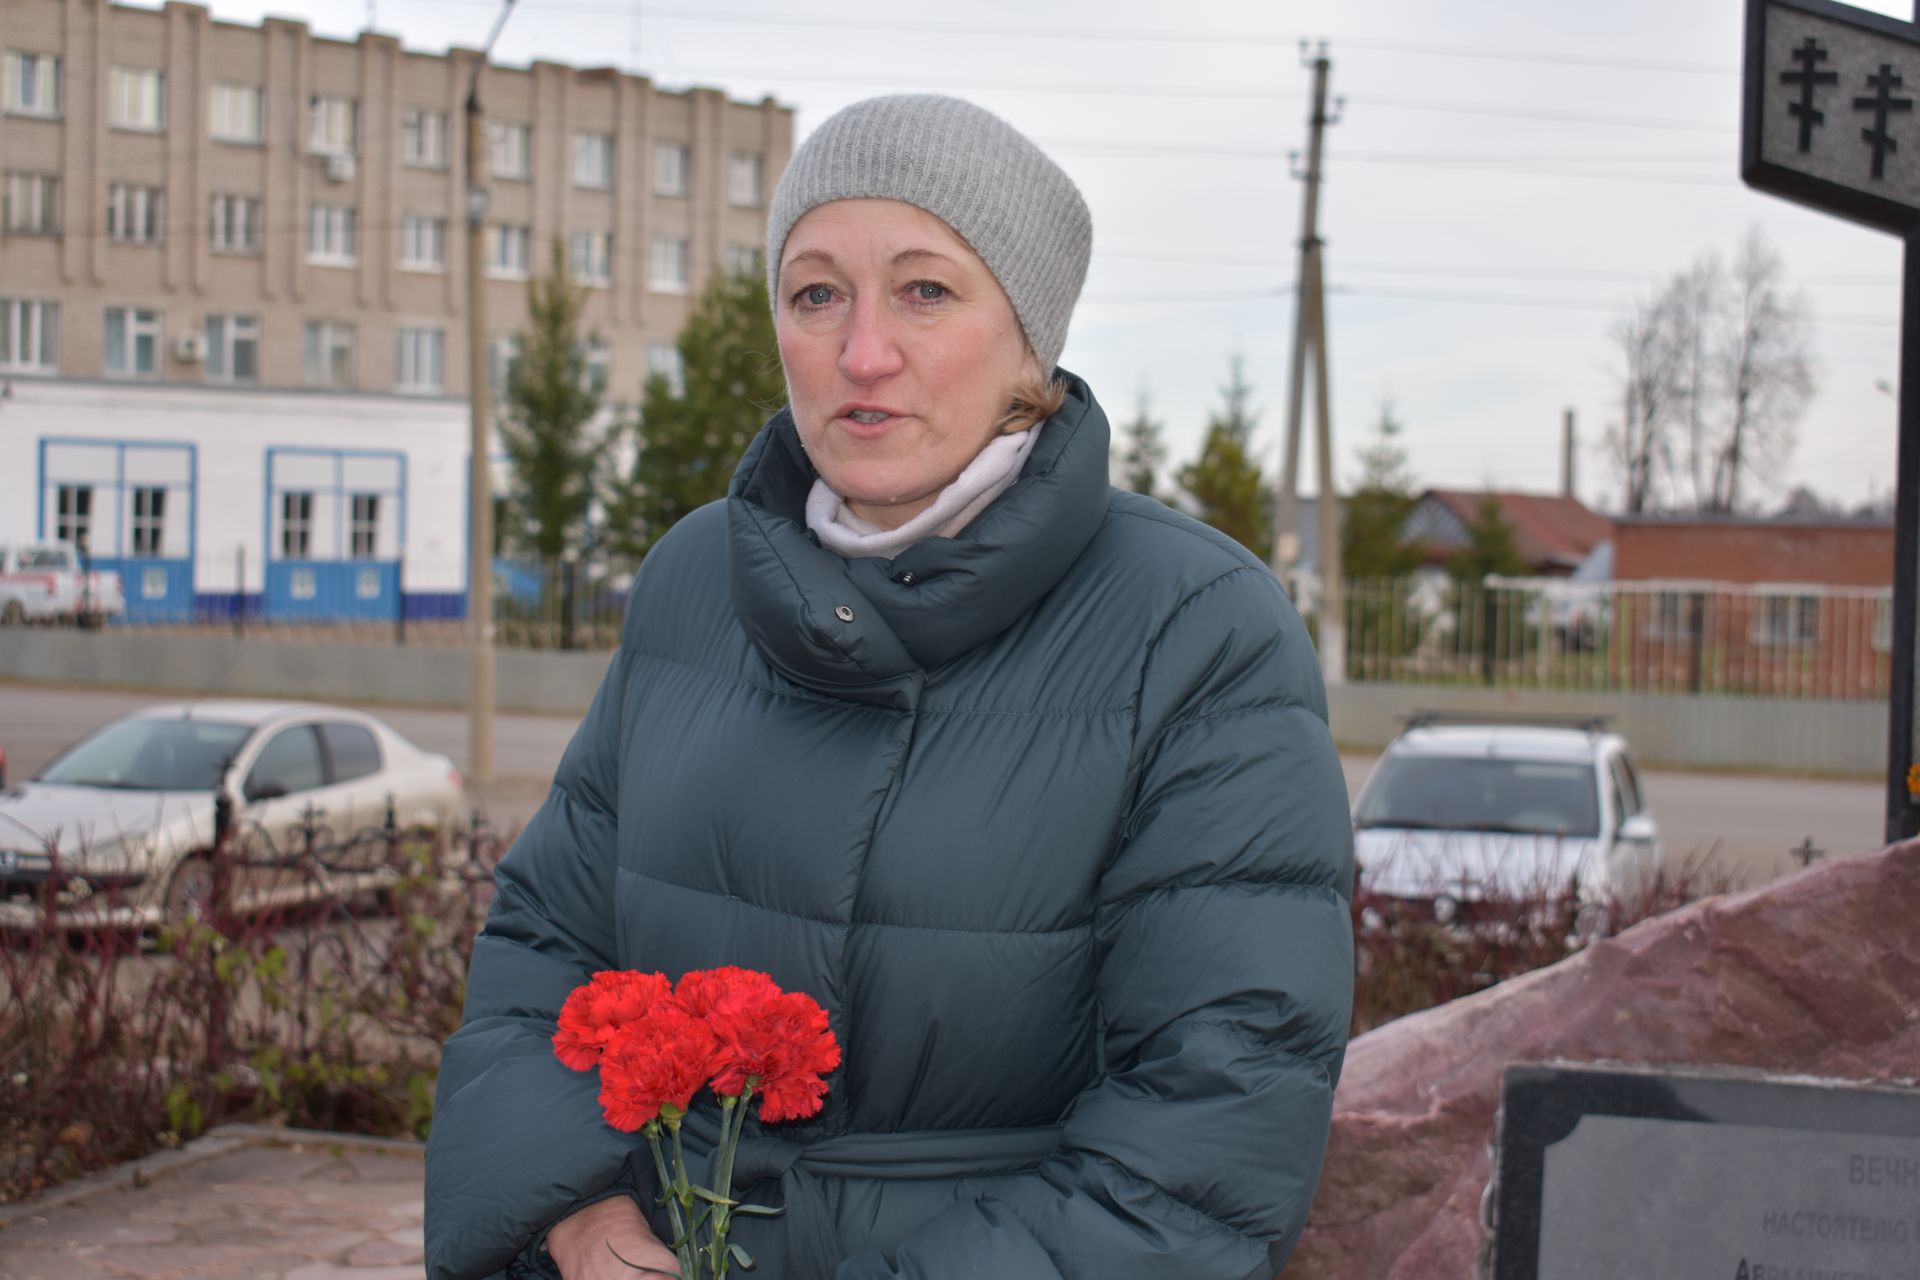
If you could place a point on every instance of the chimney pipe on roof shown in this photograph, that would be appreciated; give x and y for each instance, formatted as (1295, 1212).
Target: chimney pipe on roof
(1566, 456)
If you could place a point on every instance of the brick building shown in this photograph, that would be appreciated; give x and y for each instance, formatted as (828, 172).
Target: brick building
(1757, 606)
(232, 262)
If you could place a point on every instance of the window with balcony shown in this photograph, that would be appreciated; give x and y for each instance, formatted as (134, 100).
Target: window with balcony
(507, 252)
(744, 260)
(663, 361)
(593, 160)
(746, 173)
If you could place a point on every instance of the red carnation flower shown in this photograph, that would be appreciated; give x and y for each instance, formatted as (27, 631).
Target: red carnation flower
(780, 1041)
(596, 1015)
(701, 989)
(663, 1060)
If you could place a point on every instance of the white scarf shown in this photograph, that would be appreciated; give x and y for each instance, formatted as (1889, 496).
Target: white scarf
(990, 474)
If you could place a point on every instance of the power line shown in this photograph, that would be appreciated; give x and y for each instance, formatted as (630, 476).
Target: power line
(1626, 275)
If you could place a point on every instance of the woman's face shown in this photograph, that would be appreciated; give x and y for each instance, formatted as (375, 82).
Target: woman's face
(901, 352)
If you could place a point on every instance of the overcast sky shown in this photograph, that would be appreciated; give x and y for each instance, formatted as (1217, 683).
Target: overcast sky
(1505, 176)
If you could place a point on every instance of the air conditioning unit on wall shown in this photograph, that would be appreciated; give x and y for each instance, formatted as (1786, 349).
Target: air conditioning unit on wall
(190, 347)
(340, 168)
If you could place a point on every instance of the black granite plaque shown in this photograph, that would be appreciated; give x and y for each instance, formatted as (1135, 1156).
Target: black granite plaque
(1631, 1173)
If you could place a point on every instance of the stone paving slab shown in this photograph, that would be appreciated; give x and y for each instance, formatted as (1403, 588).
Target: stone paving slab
(244, 1202)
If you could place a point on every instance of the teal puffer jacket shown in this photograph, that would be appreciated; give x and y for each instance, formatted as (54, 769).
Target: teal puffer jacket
(1046, 815)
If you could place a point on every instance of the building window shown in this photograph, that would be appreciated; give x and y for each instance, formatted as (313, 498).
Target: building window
(423, 243)
(663, 361)
(296, 525)
(73, 514)
(502, 354)
(745, 171)
(423, 138)
(133, 342)
(418, 363)
(135, 215)
(670, 168)
(590, 254)
(328, 354)
(33, 84)
(333, 125)
(593, 160)
(233, 348)
(136, 99)
(667, 265)
(512, 151)
(332, 234)
(33, 204)
(363, 530)
(29, 336)
(507, 252)
(744, 260)
(593, 366)
(233, 112)
(1788, 621)
(233, 224)
(149, 520)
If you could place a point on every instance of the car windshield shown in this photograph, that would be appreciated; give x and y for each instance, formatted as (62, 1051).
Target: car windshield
(1452, 793)
(147, 754)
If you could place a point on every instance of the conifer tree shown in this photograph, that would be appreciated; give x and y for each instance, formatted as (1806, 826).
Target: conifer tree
(1146, 451)
(691, 435)
(545, 420)
(1373, 515)
(1224, 481)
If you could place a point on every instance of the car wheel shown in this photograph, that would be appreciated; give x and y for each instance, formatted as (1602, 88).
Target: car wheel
(190, 889)
(14, 614)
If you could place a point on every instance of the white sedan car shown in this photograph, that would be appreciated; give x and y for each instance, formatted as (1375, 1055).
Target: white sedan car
(122, 822)
(1457, 815)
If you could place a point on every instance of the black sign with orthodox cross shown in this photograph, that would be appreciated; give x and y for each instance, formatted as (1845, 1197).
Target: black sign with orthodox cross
(1829, 121)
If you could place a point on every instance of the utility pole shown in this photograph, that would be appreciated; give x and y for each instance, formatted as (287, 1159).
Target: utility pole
(479, 441)
(1310, 332)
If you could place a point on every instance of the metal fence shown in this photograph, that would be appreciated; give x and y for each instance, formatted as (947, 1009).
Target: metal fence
(1764, 640)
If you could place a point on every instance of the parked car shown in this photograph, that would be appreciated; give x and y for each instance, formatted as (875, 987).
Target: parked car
(122, 822)
(43, 582)
(1463, 817)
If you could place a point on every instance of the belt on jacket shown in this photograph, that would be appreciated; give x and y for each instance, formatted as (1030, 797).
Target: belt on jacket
(813, 1246)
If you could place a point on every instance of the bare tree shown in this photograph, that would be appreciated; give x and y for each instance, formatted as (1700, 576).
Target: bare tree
(1638, 444)
(1765, 373)
(1696, 300)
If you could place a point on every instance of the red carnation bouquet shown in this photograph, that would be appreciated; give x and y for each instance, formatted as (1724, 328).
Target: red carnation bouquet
(658, 1044)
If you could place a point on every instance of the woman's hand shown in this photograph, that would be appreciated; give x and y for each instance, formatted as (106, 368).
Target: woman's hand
(584, 1244)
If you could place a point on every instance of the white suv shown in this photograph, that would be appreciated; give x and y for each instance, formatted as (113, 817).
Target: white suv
(1466, 810)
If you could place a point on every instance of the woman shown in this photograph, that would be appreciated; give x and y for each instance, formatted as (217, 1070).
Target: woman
(1028, 781)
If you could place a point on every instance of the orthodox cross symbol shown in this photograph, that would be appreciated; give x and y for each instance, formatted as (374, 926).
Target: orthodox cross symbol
(1807, 77)
(1880, 104)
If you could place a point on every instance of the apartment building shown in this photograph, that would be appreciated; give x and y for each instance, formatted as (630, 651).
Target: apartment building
(252, 241)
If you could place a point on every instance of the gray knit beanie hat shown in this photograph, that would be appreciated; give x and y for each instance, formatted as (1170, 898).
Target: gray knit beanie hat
(972, 170)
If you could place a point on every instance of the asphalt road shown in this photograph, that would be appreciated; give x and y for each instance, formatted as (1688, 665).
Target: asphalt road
(1747, 823)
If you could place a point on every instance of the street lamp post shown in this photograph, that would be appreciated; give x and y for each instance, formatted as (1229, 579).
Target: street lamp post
(480, 443)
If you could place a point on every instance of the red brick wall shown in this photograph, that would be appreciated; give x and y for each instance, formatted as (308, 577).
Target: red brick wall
(1837, 555)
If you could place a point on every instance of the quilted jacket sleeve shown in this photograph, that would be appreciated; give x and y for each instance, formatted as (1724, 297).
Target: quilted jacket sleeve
(1225, 982)
(500, 1171)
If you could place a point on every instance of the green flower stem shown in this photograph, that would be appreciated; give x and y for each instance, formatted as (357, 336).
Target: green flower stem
(680, 1237)
(733, 1120)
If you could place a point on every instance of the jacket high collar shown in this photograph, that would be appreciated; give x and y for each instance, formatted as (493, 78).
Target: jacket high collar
(869, 628)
